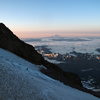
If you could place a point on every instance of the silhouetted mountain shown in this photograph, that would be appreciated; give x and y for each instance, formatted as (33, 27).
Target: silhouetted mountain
(12, 43)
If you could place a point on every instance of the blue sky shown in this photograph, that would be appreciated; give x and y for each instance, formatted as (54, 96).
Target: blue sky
(51, 15)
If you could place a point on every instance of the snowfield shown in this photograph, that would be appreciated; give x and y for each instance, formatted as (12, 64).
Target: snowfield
(21, 80)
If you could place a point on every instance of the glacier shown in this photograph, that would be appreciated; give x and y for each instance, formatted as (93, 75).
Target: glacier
(21, 80)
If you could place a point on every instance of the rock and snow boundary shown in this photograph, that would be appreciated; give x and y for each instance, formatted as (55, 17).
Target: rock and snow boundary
(21, 80)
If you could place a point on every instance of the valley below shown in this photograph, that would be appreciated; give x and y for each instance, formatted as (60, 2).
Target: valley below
(78, 55)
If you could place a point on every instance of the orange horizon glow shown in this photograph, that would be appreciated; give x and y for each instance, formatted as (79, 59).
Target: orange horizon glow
(31, 31)
(38, 34)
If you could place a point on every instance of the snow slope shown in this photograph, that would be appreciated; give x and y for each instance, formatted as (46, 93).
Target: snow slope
(21, 80)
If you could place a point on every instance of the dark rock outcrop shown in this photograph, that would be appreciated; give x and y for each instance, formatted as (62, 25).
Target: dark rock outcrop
(12, 43)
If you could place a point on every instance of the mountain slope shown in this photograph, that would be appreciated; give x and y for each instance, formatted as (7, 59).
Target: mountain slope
(12, 43)
(21, 80)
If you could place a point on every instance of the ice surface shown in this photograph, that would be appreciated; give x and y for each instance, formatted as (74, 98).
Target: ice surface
(21, 80)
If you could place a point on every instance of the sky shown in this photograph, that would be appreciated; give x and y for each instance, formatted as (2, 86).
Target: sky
(39, 18)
